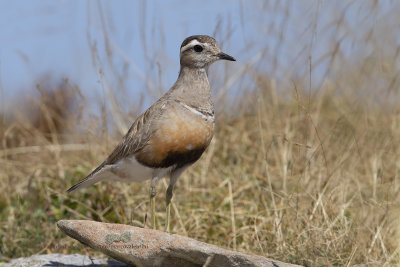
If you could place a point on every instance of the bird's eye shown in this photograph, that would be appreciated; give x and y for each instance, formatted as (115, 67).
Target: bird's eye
(198, 48)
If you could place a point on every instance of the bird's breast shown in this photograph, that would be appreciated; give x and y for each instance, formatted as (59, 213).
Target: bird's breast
(179, 139)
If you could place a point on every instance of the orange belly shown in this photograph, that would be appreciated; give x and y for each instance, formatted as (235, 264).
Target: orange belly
(179, 138)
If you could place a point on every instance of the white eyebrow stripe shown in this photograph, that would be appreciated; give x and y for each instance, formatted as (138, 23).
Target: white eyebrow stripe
(190, 44)
(207, 117)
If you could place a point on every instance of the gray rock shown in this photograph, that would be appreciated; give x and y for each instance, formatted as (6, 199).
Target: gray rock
(146, 247)
(62, 260)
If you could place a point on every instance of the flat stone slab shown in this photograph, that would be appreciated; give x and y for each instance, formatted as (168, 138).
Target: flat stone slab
(54, 260)
(146, 247)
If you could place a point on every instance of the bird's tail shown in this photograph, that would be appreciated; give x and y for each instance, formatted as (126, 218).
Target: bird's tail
(94, 177)
(82, 184)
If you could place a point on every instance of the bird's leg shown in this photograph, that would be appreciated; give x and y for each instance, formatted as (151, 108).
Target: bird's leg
(153, 193)
(168, 202)
(172, 181)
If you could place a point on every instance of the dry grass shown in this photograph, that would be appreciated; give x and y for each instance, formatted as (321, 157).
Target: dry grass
(302, 173)
(316, 186)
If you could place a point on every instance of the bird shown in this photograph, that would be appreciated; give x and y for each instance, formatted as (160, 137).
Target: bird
(172, 133)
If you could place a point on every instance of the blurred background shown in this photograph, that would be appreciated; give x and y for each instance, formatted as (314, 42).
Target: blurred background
(304, 166)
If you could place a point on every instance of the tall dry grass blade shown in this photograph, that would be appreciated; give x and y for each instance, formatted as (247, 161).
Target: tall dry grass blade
(232, 208)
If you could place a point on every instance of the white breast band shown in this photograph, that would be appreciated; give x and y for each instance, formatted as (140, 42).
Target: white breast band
(208, 117)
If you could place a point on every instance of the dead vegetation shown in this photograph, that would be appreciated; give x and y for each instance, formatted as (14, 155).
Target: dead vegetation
(305, 170)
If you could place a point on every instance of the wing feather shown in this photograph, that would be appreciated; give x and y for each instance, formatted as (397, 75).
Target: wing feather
(135, 139)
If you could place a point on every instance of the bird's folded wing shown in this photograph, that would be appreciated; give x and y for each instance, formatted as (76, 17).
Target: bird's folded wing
(137, 136)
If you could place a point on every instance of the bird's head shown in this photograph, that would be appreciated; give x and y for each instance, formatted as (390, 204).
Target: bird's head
(199, 51)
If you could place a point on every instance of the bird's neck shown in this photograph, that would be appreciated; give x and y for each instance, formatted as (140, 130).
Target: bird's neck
(192, 87)
(187, 74)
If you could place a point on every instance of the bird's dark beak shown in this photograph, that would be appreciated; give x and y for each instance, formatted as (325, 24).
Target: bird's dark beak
(225, 56)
